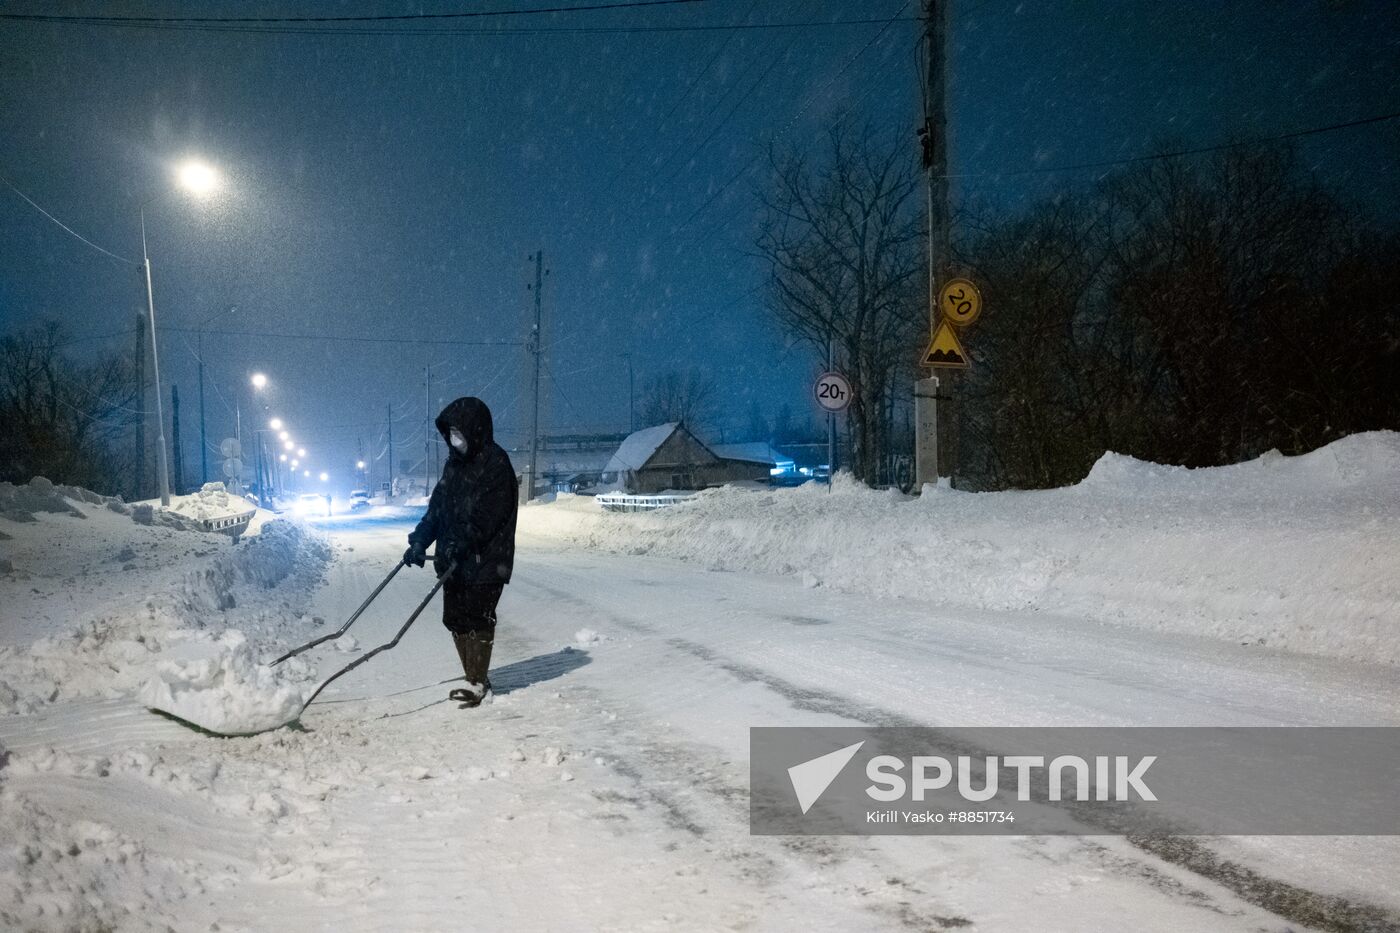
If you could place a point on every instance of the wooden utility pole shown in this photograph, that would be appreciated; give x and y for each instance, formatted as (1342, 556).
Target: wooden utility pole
(934, 138)
(389, 413)
(427, 429)
(178, 460)
(527, 491)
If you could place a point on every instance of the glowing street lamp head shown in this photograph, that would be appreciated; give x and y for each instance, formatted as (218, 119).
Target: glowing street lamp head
(259, 381)
(283, 458)
(285, 438)
(197, 177)
(275, 424)
(325, 476)
(359, 464)
(306, 473)
(301, 452)
(295, 463)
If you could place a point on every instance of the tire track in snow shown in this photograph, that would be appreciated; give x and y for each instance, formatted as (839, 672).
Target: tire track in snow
(1289, 901)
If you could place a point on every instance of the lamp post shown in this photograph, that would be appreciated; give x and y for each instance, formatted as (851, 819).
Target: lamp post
(200, 179)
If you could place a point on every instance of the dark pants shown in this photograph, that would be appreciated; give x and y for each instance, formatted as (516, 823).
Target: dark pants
(468, 608)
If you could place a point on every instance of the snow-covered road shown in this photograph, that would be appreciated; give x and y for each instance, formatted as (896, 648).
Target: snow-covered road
(605, 787)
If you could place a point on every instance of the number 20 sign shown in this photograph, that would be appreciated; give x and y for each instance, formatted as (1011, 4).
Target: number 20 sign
(960, 302)
(833, 391)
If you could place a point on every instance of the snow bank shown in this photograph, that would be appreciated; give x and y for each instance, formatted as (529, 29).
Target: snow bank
(212, 502)
(227, 690)
(94, 599)
(1301, 553)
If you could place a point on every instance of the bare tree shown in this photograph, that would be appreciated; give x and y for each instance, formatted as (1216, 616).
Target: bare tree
(676, 395)
(842, 236)
(1184, 312)
(62, 417)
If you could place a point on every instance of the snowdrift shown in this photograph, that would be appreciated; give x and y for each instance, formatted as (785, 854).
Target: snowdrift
(96, 597)
(1300, 553)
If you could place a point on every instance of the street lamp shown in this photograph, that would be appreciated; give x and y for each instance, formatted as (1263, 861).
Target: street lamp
(325, 476)
(275, 424)
(259, 380)
(199, 179)
(301, 452)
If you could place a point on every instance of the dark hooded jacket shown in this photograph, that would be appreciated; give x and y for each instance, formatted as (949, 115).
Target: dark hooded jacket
(471, 514)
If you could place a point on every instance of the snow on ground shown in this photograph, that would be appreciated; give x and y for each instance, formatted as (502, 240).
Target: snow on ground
(604, 786)
(1300, 553)
(213, 501)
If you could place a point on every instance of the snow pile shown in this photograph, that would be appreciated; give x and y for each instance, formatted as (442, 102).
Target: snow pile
(227, 691)
(92, 605)
(213, 501)
(1301, 553)
(20, 503)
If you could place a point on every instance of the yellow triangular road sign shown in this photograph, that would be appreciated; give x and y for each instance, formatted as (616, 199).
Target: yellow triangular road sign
(945, 351)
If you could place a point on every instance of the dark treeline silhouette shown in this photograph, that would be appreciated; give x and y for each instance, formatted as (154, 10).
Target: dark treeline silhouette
(69, 419)
(1185, 312)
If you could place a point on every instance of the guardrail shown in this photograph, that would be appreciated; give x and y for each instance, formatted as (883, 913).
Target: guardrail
(626, 502)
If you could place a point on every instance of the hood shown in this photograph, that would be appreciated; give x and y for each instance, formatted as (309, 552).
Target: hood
(470, 416)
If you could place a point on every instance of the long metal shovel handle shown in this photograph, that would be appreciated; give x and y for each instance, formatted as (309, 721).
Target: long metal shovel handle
(386, 646)
(350, 621)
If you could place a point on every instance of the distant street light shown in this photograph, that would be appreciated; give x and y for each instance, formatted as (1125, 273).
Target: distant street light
(359, 464)
(301, 452)
(306, 473)
(200, 179)
(325, 476)
(283, 458)
(259, 381)
(284, 437)
(288, 445)
(275, 424)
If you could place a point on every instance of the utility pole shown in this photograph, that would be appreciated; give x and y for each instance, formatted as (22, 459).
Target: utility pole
(203, 437)
(179, 464)
(140, 359)
(162, 464)
(935, 162)
(527, 492)
(389, 413)
(631, 397)
(427, 429)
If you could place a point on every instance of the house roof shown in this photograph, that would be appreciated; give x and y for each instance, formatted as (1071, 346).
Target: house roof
(639, 446)
(752, 452)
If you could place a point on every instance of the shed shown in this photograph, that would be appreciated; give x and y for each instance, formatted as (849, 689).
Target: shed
(669, 456)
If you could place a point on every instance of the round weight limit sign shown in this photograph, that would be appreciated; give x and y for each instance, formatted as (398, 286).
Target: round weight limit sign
(960, 302)
(833, 392)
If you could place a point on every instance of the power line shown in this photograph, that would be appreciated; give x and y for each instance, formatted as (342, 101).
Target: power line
(793, 120)
(502, 32)
(367, 18)
(34, 204)
(1180, 153)
(348, 339)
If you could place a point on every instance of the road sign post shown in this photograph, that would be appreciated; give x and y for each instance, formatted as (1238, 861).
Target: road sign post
(832, 391)
(959, 305)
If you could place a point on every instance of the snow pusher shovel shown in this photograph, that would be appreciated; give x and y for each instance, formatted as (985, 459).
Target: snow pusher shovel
(286, 713)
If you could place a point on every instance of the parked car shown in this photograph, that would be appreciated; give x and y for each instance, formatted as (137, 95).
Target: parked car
(359, 500)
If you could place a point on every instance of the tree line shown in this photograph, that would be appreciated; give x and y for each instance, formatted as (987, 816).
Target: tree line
(1185, 311)
(71, 419)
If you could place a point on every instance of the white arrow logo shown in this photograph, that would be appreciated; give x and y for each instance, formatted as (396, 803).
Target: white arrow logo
(811, 778)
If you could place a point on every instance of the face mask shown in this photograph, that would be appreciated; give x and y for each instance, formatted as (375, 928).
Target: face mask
(458, 440)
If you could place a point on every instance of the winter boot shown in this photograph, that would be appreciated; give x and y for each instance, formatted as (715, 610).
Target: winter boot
(474, 648)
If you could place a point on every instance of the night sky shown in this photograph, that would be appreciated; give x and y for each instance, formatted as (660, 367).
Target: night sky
(392, 186)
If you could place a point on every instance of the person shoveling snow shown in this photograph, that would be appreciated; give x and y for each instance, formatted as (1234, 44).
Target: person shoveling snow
(471, 516)
(227, 691)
